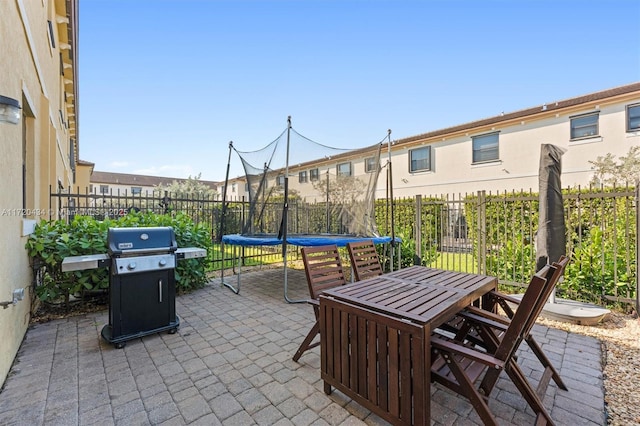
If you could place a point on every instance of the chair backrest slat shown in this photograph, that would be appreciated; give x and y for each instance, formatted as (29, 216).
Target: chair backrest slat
(323, 268)
(364, 259)
(525, 315)
(553, 276)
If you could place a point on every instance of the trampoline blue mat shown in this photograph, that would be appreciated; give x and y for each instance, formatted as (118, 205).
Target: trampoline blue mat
(299, 240)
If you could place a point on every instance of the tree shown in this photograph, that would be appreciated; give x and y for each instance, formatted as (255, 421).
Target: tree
(609, 172)
(191, 185)
(341, 190)
(346, 209)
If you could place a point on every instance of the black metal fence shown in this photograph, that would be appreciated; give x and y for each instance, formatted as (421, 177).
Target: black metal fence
(475, 232)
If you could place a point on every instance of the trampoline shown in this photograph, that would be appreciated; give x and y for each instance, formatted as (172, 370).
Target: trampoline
(346, 189)
(340, 240)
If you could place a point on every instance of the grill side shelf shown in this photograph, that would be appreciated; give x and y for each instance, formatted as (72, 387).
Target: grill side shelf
(80, 263)
(190, 253)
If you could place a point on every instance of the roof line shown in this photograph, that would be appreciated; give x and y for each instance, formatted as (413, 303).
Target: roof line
(547, 107)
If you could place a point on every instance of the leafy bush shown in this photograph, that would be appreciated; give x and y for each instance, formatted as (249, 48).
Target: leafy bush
(53, 241)
(598, 268)
(601, 239)
(405, 217)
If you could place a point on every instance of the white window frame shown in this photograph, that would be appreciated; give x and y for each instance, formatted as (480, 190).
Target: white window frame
(136, 190)
(280, 180)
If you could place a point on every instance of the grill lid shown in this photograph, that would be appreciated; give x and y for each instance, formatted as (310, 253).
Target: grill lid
(141, 240)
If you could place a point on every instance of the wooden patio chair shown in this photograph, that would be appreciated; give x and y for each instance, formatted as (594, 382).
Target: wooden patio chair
(323, 269)
(365, 262)
(461, 367)
(468, 320)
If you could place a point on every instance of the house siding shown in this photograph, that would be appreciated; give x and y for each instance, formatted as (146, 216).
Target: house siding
(30, 73)
(521, 133)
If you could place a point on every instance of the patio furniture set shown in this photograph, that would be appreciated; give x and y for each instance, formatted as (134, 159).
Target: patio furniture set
(387, 336)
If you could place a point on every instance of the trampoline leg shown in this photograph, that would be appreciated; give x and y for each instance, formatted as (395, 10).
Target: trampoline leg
(236, 290)
(286, 285)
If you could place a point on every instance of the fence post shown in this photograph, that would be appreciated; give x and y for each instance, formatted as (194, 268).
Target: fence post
(481, 232)
(50, 204)
(637, 246)
(417, 259)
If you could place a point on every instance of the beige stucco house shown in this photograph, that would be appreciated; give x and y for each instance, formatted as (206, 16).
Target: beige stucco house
(503, 152)
(38, 74)
(499, 153)
(134, 184)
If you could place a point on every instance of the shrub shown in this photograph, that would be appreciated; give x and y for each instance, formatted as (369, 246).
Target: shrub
(53, 241)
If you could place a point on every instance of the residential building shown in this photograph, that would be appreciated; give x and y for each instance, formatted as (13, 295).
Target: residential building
(502, 153)
(132, 184)
(236, 189)
(499, 153)
(38, 145)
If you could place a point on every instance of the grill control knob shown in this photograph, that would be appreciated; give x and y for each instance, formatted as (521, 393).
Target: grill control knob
(131, 266)
(162, 262)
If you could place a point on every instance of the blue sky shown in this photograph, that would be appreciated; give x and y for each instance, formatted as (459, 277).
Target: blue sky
(166, 84)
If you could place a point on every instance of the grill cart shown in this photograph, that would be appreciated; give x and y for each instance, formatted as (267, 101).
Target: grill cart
(142, 286)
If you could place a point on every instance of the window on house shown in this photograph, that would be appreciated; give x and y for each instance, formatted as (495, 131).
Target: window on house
(52, 38)
(104, 189)
(344, 169)
(280, 180)
(584, 126)
(246, 187)
(136, 190)
(420, 159)
(485, 148)
(370, 164)
(633, 118)
(72, 159)
(302, 177)
(314, 174)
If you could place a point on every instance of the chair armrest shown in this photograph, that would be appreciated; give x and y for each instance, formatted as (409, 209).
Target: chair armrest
(480, 315)
(484, 322)
(504, 297)
(442, 345)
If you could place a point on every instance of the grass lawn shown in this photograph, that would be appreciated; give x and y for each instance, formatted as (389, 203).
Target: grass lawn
(462, 262)
(253, 256)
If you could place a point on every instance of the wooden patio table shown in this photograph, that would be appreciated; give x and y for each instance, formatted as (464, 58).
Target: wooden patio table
(375, 336)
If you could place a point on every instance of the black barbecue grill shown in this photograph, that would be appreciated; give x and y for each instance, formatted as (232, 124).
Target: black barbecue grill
(142, 284)
(142, 287)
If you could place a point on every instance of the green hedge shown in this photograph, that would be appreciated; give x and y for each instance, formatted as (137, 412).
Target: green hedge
(404, 221)
(55, 240)
(601, 240)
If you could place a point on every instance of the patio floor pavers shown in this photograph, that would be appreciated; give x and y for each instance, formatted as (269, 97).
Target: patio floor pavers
(230, 364)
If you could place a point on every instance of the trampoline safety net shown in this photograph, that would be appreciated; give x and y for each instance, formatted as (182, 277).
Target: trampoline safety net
(329, 190)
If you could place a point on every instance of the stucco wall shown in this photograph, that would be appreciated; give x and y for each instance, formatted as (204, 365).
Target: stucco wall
(519, 155)
(30, 73)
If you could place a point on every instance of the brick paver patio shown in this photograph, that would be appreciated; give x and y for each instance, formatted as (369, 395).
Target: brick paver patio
(230, 364)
